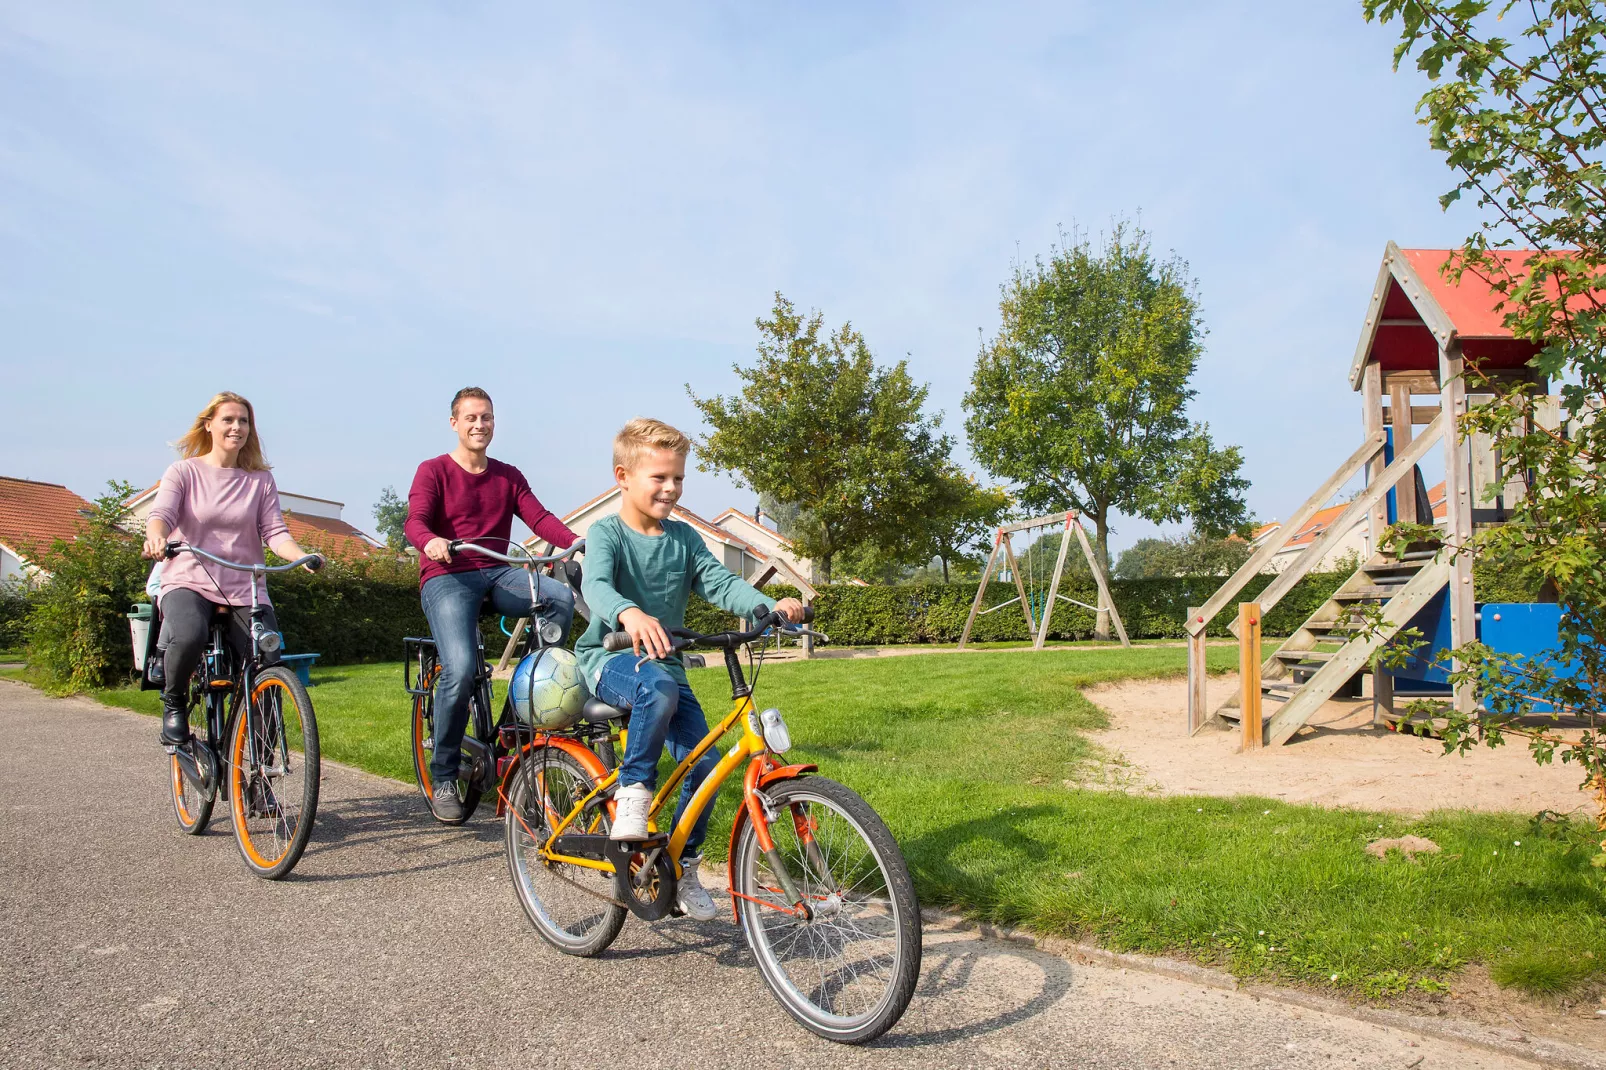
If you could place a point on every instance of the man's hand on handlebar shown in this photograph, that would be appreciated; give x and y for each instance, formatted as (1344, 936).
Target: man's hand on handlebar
(647, 636)
(791, 609)
(439, 549)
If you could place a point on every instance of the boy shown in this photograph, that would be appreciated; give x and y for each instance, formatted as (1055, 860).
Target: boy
(640, 568)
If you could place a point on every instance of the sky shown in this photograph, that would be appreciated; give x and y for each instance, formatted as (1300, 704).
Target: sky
(347, 212)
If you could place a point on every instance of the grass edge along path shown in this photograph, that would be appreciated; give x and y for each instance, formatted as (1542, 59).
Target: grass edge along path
(976, 766)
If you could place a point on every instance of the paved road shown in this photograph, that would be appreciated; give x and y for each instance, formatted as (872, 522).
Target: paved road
(399, 943)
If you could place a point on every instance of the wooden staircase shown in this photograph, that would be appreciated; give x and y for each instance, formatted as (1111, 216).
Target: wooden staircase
(1330, 648)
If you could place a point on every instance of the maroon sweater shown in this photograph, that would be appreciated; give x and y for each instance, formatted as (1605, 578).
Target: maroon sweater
(448, 503)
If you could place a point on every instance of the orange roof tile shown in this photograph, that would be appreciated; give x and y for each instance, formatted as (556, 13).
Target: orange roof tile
(33, 514)
(329, 536)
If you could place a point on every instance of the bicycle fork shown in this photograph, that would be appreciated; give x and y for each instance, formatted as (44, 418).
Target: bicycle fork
(763, 812)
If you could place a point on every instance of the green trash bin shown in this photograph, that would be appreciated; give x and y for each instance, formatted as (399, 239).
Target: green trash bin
(140, 618)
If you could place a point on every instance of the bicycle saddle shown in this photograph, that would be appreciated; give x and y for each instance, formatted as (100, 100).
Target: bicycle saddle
(597, 711)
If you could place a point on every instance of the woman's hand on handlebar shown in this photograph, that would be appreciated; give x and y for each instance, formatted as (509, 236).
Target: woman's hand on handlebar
(155, 540)
(647, 636)
(791, 609)
(439, 549)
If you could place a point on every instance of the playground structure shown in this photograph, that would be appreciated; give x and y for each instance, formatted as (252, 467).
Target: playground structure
(1037, 598)
(1421, 334)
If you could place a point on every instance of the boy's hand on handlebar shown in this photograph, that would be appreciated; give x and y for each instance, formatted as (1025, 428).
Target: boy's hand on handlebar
(646, 634)
(439, 549)
(791, 609)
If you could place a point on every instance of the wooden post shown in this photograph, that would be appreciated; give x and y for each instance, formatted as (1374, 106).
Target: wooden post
(1400, 417)
(981, 589)
(1105, 597)
(1377, 520)
(1249, 673)
(512, 642)
(1458, 509)
(1020, 588)
(1382, 695)
(1198, 710)
(1054, 585)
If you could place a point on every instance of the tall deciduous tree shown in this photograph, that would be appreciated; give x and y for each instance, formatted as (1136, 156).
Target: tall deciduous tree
(819, 424)
(1522, 121)
(1194, 554)
(390, 517)
(1081, 399)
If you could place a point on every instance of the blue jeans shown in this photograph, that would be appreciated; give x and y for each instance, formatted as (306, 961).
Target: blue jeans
(662, 710)
(452, 606)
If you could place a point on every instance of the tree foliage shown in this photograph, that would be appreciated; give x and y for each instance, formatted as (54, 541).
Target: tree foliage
(1193, 554)
(77, 635)
(1520, 120)
(819, 424)
(1081, 399)
(390, 519)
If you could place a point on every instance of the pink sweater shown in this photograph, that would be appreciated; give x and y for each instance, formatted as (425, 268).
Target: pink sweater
(447, 502)
(229, 512)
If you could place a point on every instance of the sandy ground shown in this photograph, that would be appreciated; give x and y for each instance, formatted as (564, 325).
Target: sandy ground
(1344, 761)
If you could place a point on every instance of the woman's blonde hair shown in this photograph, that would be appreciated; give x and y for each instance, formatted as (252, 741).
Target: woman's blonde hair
(197, 441)
(642, 435)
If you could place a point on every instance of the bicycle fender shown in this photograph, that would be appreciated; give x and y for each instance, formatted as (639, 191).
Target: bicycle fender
(757, 777)
(574, 748)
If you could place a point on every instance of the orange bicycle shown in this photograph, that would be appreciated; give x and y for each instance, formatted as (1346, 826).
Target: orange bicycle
(817, 883)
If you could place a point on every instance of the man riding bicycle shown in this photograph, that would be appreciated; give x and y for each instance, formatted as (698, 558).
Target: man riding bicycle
(466, 495)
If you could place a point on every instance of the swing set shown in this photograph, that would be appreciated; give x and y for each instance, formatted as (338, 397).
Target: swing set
(1035, 589)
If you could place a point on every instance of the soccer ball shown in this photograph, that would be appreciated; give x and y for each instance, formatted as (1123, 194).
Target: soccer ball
(547, 689)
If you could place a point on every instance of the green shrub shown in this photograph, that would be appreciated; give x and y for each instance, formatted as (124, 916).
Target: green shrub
(77, 630)
(13, 614)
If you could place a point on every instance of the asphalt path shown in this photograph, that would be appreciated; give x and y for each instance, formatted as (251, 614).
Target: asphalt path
(397, 942)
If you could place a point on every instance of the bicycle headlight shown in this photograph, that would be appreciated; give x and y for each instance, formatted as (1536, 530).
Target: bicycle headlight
(269, 642)
(551, 632)
(773, 726)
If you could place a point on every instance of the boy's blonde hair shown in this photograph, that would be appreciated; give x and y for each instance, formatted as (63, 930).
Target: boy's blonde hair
(643, 435)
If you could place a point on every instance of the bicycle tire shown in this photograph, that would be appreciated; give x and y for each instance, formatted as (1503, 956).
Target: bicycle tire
(272, 824)
(545, 889)
(879, 904)
(423, 745)
(192, 807)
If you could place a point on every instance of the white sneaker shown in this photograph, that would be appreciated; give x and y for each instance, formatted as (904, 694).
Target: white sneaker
(632, 805)
(691, 896)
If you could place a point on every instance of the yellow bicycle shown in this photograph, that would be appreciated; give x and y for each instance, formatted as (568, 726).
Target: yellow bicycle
(817, 883)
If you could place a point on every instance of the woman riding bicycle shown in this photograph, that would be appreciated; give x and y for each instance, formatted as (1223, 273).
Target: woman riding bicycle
(220, 497)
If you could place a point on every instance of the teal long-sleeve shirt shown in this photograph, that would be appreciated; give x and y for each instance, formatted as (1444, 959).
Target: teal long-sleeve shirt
(655, 574)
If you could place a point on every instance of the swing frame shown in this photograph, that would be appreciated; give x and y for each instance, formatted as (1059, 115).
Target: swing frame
(1003, 546)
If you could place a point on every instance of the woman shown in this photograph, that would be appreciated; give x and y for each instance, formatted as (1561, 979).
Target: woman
(221, 498)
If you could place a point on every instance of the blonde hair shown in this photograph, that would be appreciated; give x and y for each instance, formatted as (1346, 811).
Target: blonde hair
(197, 441)
(642, 435)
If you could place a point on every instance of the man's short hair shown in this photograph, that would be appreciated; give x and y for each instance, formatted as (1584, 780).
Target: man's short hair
(470, 392)
(642, 435)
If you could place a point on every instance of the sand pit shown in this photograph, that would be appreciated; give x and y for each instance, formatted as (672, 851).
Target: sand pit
(1343, 762)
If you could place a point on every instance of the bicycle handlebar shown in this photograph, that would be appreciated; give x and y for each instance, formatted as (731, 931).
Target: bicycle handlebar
(763, 620)
(314, 562)
(526, 561)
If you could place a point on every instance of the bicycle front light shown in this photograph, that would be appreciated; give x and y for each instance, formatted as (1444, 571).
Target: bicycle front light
(269, 642)
(776, 737)
(551, 632)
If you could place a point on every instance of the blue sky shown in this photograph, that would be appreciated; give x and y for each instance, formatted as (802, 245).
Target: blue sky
(345, 212)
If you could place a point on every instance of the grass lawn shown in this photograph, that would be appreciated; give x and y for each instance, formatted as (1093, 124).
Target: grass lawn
(972, 761)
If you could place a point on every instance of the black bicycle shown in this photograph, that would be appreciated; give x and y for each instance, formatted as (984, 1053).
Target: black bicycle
(253, 738)
(478, 770)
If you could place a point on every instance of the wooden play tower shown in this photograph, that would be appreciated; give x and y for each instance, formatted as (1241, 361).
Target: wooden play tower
(1421, 334)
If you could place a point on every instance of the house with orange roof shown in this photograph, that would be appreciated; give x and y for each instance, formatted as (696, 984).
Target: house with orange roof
(315, 523)
(1355, 541)
(33, 515)
(755, 557)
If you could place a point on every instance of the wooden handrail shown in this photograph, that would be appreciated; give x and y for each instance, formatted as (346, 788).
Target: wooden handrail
(1398, 468)
(1197, 622)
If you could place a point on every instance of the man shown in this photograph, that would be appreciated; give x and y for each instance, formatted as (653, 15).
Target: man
(467, 495)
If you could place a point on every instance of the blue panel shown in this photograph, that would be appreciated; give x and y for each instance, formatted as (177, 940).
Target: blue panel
(1433, 620)
(1526, 628)
(1388, 459)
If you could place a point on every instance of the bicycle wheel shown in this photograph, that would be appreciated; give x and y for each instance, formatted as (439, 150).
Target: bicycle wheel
(273, 768)
(424, 747)
(192, 806)
(848, 972)
(570, 906)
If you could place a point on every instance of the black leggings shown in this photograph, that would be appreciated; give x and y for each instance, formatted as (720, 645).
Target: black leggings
(186, 627)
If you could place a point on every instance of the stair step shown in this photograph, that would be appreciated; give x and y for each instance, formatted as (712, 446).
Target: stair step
(1381, 592)
(1280, 689)
(1396, 568)
(1304, 655)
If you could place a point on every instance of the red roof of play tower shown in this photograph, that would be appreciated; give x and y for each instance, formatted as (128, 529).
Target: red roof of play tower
(1414, 308)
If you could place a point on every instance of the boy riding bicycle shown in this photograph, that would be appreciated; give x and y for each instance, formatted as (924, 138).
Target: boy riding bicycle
(468, 496)
(641, 567)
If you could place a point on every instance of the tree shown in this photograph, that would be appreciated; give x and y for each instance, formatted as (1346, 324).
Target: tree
(390, 518)
(1522, 124)
(1081, 399)
(1193, 554)
(819, 424)
(77, 635)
